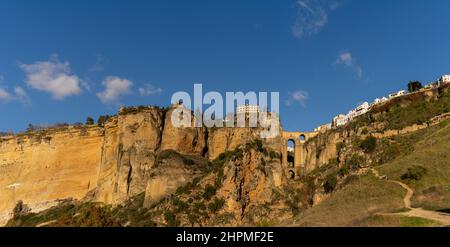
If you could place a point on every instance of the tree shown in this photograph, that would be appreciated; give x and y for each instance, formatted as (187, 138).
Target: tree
(102, 120)
(369, 144)
(414, 86)
(89, 121)
(30, 128)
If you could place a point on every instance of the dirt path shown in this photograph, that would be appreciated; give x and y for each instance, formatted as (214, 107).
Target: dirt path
(415, 212)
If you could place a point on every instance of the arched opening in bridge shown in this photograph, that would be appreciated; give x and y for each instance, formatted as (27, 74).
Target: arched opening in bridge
(302, 138)
(291, 152)
(291, 174)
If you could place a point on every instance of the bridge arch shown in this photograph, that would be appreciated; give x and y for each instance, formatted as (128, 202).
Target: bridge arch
(293, 158)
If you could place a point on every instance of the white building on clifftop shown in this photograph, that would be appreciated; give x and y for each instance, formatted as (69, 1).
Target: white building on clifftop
(247, 109)
(397, 94)
(340, 120)
(444, 79)
(358, 111)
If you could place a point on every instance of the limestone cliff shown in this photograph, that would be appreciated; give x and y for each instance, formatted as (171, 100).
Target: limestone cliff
(109, 163)
(128, 154)
(321, 149)
(43, 167)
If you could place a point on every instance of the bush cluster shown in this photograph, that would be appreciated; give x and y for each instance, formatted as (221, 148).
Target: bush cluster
(414, 173)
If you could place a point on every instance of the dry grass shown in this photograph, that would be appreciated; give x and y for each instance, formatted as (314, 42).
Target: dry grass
(357, 201)
(432, 151)
(397, 220)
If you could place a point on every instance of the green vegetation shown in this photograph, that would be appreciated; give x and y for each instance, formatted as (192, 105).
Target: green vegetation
(418, 111)
(89, 121)
(264, 223)
(394, 220)
(137, 109)
(171, 219)
(355, 161)
(293, 200)
(424, 165)
(420, 158)
(103, 119)
(414, 173)
(369, 144)
(80, 215)
(364, 131)
(274, 155)
(414, 86)
(362, 197)
(339, 147)
(216, 205)
(209, 192)
(343, 171)
(332, 163)
(330, 183)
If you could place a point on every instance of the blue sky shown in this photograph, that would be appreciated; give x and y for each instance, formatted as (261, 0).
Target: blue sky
(61, 61)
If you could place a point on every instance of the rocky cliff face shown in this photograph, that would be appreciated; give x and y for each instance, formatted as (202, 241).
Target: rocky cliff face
(128, 154)
(250, 182)
(321, 149)
(43, 167)
(110, 163)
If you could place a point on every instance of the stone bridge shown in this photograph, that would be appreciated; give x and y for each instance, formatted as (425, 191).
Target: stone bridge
(295, 164)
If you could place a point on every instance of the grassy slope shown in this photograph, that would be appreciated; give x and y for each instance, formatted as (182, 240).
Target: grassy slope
(432, 151)
(360, 201)
(392, 220)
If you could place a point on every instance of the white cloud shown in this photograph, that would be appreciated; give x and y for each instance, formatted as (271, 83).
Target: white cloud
(347, 60)
(312, 16)
(115, 87)
(18, 94)
(149, 89)
(52, 76)
(298, 96)
(21, 95)
(5, 96)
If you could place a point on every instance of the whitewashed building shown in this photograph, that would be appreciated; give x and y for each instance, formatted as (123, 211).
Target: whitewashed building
(247, 109)
(379, 101)
(323, 128)
(362, 109)
(376, 101)
(358, 111)
(397, 94)
(431, 85)
(340, 120)
(444, 79)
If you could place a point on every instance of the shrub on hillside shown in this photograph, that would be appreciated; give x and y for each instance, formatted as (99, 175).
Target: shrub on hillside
(171, 219)
(199, 206)
(89, 121)
(414, 173)
(339, 146)
(180, 206)
(103, 119)
(364, 131)
(216, 205)
(209, 192)
(330, 183)
(355, 161)
(344, 171)
(369, 144)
